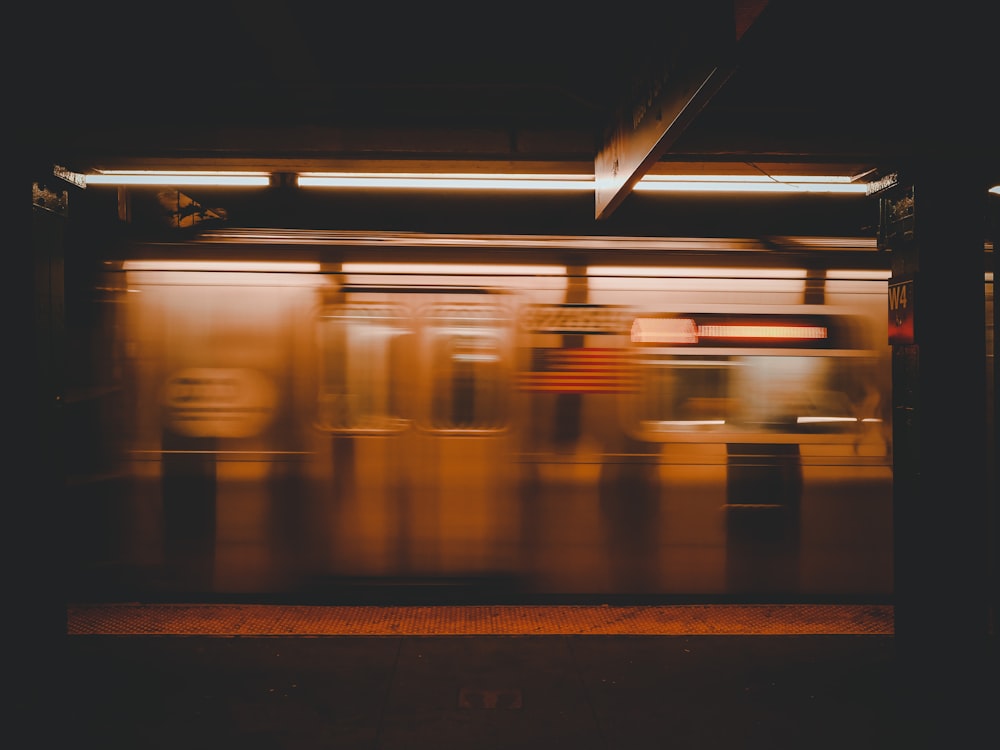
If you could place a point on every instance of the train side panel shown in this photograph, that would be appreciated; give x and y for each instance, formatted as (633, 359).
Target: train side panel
(577, 427)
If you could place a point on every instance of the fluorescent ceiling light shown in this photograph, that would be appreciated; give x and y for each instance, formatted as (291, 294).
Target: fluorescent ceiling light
(786, 188)
(444, 181)
(746, 178)
(487, 181)
(758, 183)
(179, 179)
(548, 182)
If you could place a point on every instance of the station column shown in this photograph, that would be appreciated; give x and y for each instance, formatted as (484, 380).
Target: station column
(934, 222)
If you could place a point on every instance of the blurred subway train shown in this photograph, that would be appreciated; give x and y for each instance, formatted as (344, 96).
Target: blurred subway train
(321, 414)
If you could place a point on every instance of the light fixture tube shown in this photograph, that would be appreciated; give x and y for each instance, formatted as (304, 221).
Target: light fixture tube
(737, 184)
(485, 181)
(550, 182)
(179, 179)
(821, 178)
(445, 181)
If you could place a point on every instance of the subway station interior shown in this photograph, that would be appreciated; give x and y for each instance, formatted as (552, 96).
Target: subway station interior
(427, 307)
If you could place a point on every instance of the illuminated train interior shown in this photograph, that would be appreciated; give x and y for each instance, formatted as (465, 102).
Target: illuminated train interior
(310, 414)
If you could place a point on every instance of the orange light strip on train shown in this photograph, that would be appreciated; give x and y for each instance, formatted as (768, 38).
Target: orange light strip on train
(272, 266)
(448, 269)
(664, 331)
(687, 331)
(740, 331)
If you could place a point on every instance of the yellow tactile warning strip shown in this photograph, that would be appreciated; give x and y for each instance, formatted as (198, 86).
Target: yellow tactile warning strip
(294, 620)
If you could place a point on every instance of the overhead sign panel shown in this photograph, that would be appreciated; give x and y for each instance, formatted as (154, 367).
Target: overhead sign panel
(669, 95)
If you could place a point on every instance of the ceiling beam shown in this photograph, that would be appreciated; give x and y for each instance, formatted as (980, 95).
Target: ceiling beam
(668, 95)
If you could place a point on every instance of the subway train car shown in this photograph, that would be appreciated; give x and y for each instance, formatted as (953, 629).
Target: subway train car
(318, 415)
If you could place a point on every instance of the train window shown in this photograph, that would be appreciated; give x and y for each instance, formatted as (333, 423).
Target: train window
(678, 394)
(750, 393)
(789, 394)
(466, 359)
(720, 374)
(361, 350)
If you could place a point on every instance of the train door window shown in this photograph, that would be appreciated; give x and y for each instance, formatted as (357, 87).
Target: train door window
(361, 355)
(466, 353)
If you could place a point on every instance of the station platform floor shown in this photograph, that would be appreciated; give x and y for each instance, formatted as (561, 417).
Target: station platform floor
(251, 676)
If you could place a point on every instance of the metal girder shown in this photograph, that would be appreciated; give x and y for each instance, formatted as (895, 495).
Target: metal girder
(669, 95)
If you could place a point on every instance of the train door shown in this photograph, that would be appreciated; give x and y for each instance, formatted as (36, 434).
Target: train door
(364, 344)
(414, 397)
(462, 484)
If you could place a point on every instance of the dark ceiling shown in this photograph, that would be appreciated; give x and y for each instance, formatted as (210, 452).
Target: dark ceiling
(839, 86)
